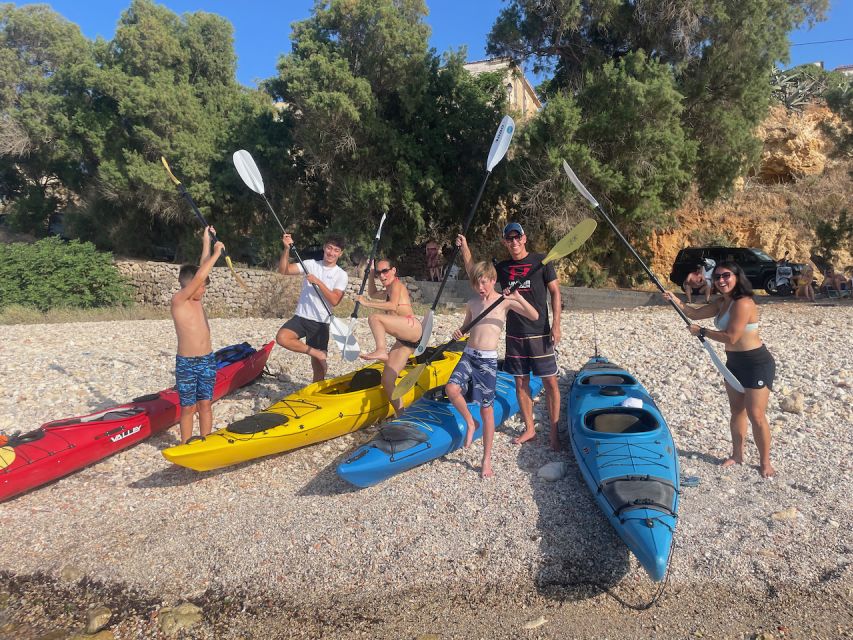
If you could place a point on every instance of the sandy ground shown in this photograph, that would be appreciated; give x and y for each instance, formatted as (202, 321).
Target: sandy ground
(281, 547)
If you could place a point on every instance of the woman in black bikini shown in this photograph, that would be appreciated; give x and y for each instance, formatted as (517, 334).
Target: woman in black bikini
(399, 322)
(736, 320)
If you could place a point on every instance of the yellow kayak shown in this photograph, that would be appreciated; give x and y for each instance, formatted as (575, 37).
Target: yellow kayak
(321, 411)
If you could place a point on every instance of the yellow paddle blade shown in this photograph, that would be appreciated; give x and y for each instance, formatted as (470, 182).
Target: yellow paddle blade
(169, 170)
(234, 273)
(572, 240)
(409, 381)
(7, 456)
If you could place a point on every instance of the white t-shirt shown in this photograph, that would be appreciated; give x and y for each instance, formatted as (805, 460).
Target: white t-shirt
(309, 305)
(710, 265)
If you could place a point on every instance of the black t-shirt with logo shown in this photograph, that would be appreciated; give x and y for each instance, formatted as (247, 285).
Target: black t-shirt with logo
(535, 291)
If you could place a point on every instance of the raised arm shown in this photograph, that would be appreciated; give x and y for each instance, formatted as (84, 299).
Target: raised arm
(465, 250)
(200, 277)
(284, 265)
(205, 244)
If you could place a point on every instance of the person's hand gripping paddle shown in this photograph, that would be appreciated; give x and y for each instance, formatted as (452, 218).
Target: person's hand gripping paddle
(728, 375)
(248, 170)
(186, 194)
(500, 144)
(567, 244)
(350, 351)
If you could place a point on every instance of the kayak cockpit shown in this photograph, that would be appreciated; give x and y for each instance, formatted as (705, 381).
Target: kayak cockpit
(621, 420)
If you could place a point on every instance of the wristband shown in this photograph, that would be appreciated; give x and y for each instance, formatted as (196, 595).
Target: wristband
(701, 333)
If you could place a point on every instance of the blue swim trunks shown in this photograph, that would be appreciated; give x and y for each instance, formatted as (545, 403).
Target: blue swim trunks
(195, 377)
(480, 369)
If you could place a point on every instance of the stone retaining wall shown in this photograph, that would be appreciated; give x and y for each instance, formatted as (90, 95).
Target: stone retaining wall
(269, 293)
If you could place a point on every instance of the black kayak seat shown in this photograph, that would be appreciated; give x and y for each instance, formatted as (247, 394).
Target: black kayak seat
(257, 423)
(608, 379)
(398, 436)
(620, 420)
(364, 379)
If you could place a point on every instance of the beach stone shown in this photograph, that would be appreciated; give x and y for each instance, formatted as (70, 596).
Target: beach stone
(788, 514)
(533, 624)
(58, 634)
(793, 403)
(70, 573)
(97, 619)
(552, 471)
(428, 636)
(182, 617)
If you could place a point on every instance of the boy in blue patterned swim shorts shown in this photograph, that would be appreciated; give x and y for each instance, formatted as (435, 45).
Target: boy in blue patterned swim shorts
(478, 367)
(195, 364)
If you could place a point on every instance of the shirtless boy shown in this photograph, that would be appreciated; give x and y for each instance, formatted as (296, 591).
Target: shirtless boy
(479, 364)
(195, 364)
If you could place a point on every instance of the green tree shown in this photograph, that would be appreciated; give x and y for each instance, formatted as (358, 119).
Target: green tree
(382, 124)
(719, 54)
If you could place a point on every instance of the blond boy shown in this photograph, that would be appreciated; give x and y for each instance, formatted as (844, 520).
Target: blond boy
(195, 363)
(478, 366)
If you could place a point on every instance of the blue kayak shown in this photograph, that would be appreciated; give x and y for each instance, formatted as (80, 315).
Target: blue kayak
(628, 459)
(428, 429)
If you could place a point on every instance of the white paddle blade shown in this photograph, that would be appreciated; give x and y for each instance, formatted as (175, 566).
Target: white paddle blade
(350, 349)
(344, 340)
(379, 230)
(728, 375)
(427, 334)
(248, 170)
(501, 143)
(579, 185)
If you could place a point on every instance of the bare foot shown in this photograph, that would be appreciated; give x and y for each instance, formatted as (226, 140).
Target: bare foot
(528, 435)
(766, 470)
(486, 471)
(555, 441)
(730, 462)
(376, 355)
(469, 433)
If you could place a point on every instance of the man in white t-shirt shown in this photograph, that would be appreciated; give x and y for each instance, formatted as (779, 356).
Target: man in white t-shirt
(312, 316)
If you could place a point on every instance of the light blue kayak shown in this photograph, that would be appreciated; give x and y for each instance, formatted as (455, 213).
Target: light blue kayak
(628, 459)
(430, 428)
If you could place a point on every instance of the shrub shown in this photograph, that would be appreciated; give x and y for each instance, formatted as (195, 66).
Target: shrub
(51, 274)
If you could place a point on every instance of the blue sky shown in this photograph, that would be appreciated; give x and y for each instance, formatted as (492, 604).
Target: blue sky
(262, 28)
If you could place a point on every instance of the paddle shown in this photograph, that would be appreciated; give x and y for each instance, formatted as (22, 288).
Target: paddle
(248, 170)
(728, 375)
(496, 153)
(183, 191)
(351, 352)
(567, 244)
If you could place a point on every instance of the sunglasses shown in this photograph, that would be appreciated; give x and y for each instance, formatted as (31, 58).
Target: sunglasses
(513, 238)
(725, 275)
(382, 272)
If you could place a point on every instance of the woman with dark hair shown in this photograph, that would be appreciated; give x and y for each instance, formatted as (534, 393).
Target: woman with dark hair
(399, 322)
(736, 320)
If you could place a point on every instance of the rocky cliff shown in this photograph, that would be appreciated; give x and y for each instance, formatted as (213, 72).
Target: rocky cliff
(796, 184)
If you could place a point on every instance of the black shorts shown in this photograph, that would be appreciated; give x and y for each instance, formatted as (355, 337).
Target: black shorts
(316, 334)
(754, 369)
(530, 354)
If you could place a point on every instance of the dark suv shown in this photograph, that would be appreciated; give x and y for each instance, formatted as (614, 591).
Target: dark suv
(758, 266)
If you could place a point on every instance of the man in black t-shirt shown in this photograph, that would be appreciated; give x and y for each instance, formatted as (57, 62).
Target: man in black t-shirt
(529, 344)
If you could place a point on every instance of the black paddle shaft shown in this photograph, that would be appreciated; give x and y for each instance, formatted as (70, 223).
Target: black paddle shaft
(367, 271)
(467, 224)
(466, 328)
(189, 198)
(642, 264)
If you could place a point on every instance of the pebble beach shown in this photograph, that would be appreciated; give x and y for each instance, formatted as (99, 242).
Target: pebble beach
(280, 547)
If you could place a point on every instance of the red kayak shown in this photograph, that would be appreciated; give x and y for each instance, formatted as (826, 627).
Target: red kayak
(60, 447)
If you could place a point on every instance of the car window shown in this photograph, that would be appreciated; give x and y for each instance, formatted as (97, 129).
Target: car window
(761, 255)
